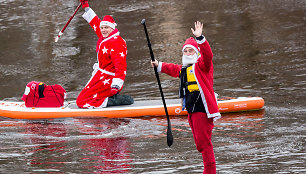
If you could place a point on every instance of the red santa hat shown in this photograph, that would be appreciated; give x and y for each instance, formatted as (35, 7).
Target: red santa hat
(191, 43)
(108, 21)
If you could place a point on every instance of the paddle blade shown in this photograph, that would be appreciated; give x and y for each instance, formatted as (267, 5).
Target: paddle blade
(56, 39)
(169, 137)
(58, 36)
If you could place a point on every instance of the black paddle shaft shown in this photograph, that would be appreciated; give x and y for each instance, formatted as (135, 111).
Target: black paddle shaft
(169, 132)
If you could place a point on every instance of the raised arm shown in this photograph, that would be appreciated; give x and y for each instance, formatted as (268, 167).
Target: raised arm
(91, 17)
(205, 61)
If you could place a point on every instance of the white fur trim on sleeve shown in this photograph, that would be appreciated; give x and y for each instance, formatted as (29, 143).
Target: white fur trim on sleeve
(201, 41)
(160, 64)
(26, 91)
(89, 15)
(117, 82)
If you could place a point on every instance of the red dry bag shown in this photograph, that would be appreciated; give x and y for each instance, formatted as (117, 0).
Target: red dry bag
(38, 94)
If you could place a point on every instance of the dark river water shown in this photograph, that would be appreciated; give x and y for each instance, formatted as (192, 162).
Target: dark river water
(259, 49)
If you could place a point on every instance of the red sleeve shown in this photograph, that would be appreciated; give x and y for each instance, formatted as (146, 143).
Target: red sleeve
(95, 25)
(171, 69)
(205, 61)
(93, 20)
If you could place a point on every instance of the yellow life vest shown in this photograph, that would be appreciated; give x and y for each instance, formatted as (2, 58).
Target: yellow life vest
(191, 82)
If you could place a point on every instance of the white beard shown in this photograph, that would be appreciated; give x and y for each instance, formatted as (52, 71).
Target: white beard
(187, 60)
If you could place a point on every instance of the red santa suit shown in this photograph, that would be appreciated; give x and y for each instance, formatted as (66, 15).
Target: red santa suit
(110, 70)
(201, 122)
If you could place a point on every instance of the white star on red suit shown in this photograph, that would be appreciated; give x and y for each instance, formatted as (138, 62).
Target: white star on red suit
(112, 50)
(104, 50)
(94, 27)
(86, 105)
(95, 96)
(122, 54)
(106, 81)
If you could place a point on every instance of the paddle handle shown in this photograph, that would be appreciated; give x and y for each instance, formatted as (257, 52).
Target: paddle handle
(143, 22)
(62, 31)
(169, 131)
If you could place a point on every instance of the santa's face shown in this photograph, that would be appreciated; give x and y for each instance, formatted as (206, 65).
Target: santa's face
(189, 51)
(106, 30)
(189, 56)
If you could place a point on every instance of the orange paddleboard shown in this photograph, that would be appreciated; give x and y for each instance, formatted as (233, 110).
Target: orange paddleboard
(17, 110)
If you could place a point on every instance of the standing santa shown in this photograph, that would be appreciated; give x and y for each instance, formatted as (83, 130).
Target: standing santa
(109, 72)
(196, 91)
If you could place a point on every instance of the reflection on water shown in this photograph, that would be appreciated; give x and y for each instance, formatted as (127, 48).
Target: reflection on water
(60, 145)
(248, 141)
(259, 50)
